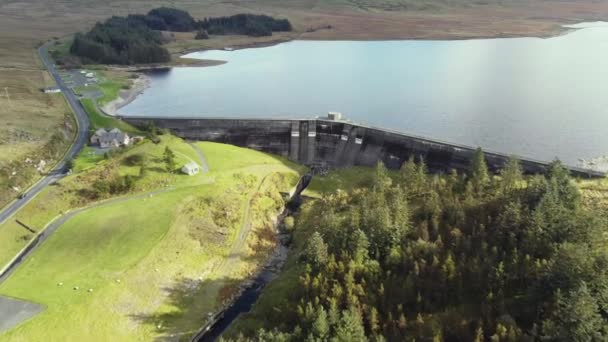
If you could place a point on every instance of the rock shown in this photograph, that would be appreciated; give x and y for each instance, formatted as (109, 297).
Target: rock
(90, 290)
(60, 284)
(118, 280)
(76, 287)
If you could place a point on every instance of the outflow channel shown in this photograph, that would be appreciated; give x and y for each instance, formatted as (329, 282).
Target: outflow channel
(218, 323)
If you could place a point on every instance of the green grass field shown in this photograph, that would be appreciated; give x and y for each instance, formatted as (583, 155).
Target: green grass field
(111, 87)
(86, 159)
(163, 249)
(342, 179)
(99, 120)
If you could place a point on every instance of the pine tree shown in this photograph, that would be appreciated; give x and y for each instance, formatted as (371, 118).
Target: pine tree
(350, 328)
(316, 251)
(320, 327)
(169, 158)
(360, 248)
(511, 174)
(479, 170)
(381, 179)
(576, 318)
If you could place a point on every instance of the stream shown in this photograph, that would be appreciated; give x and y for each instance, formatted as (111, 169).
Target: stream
(244, 302)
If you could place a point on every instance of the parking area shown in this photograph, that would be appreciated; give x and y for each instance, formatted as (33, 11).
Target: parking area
(78, 78)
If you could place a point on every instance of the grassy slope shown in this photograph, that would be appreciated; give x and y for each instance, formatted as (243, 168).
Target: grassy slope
(343, 179)
(147, 243)
(111, 85)
(87, 159)
(99, 120)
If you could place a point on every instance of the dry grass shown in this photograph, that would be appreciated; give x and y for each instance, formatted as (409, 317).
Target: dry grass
(32, 117)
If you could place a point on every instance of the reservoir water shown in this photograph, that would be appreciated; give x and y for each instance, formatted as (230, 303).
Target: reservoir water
(538, 98)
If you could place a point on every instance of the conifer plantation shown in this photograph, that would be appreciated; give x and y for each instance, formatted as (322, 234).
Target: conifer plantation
(137, 38)
(458, 257)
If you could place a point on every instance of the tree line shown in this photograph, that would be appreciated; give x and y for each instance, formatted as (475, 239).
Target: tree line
(247, 24)
(120, 40)
(137, 39)
(458, 257)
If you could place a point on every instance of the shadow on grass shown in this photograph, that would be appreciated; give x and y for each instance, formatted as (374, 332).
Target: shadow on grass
(192, 303)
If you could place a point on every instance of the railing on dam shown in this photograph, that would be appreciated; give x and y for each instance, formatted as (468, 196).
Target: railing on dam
(338, 143)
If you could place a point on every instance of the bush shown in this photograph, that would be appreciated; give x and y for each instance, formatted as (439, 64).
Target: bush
(202, 34)
(289, 223)
(135, 159)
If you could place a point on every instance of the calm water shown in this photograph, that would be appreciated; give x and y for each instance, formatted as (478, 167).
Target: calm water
(539, 98)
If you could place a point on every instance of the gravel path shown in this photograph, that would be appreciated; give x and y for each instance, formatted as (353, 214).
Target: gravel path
(201, 156)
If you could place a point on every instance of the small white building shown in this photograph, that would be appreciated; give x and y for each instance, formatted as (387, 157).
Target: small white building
(191, 168)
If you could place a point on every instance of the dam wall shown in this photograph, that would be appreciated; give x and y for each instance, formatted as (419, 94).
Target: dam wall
(337, 143)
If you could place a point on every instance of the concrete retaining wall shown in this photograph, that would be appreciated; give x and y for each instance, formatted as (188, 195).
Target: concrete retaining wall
(336, 143)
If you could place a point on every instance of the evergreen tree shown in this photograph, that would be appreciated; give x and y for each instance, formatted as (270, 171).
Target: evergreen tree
(350, 328)
(511, 174)
(316, 251)
(169, 159)
(320, 327)
(478, 169)
(576, 318)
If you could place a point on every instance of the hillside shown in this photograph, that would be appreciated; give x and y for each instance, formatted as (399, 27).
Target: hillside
(141, 253)
(410, 256)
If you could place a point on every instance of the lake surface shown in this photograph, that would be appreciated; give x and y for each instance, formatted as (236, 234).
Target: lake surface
(533, 97)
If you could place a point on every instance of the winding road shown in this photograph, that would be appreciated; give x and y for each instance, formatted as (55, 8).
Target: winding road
(81, 139)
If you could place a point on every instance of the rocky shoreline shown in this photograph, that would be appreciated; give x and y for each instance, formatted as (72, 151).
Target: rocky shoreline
(126, 96)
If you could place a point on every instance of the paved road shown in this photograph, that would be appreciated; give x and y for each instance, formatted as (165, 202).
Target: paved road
(81, 140)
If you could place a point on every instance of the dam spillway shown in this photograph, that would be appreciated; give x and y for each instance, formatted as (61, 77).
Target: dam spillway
(337, 144)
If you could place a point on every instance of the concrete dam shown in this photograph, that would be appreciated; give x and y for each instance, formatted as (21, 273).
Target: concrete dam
(337, 143)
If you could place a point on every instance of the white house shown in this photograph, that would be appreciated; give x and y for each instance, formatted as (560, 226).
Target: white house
(191, 168)
(112, 138)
